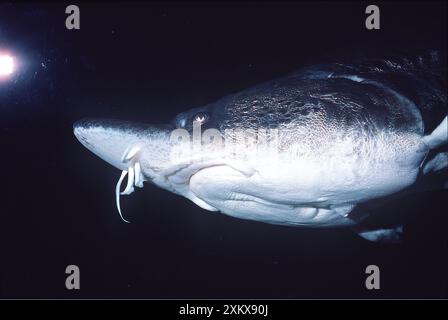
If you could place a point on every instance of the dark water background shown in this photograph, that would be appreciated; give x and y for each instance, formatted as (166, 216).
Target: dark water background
(147, 62)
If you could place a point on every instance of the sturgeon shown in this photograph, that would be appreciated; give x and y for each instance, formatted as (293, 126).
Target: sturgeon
(302, 150)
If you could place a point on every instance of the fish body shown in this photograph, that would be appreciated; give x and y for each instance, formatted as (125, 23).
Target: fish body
(304, 149)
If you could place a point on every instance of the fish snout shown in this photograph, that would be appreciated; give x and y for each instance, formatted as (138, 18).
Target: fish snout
(116, 141)
(105, 138)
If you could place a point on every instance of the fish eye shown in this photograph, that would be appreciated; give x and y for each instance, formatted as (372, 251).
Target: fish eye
(201, 117)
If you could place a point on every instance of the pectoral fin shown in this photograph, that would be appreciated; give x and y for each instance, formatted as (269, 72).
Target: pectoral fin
(439, 162)
(393, 235)
(439, 136)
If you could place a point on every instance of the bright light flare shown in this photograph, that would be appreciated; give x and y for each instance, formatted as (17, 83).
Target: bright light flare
(6, 65)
